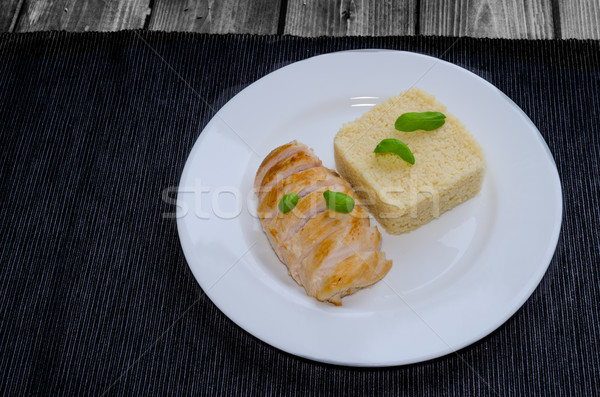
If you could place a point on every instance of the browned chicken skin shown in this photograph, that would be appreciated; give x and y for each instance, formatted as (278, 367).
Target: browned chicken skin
(297, 162)
(330, 254)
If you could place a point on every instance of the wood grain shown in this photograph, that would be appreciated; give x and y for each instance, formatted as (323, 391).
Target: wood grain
(9, 11)
(216, 16)
(83, 15)
(531, 19)
(350, 17)
(579, 19)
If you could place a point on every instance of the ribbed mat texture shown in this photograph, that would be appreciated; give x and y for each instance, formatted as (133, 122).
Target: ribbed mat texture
(95, 294)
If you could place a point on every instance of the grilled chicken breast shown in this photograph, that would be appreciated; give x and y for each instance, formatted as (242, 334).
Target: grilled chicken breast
(331, 254)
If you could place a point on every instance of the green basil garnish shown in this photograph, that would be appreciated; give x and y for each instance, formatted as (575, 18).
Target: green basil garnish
(288, 202)
(338, 202)
(392, 145)
(413, 121)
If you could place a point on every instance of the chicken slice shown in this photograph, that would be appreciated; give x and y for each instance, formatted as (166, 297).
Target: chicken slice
(316, 230)
(322, 260)
(276, 155)
(282, 169)
(351, 274)
(302, 183)
(284, 226)
(295, 183)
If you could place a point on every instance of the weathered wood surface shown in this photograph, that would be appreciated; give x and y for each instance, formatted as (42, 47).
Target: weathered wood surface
(350, 18)
(216, 16)
(9, 12)
(580, 19)
(82, 15)
(531, 19)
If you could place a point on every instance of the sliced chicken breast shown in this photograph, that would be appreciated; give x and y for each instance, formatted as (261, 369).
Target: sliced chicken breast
(331, 254)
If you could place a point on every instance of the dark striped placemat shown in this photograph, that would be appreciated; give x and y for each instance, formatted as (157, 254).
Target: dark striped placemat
(95, 294)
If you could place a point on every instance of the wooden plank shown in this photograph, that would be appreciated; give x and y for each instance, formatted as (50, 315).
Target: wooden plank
(531, 19)
(220, 16)
(579, 19)
(9, 11)
(83, 15)
(350, 17)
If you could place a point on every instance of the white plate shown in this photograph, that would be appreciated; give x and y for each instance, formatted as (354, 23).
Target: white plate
(453, 281)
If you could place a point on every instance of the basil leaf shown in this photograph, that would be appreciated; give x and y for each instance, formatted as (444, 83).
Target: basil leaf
(392, 145)
(338, 202)
(288, 202)
(427, 121)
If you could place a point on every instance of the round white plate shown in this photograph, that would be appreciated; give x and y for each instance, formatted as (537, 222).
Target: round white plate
(453, 281)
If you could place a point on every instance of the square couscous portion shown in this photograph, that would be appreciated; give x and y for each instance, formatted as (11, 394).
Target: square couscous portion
(448, 169)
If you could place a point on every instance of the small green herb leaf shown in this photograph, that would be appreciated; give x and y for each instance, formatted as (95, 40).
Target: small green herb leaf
(288, 202)
(427, 121)
(338, 202)
(391, 145)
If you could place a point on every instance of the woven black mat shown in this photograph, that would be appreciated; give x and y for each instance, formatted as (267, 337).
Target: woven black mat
(95, 293)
